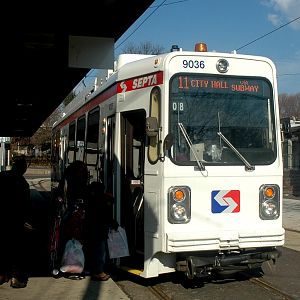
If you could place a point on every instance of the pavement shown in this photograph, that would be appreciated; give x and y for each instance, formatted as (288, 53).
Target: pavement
(43, 286)
(49, 288)
(46, 287)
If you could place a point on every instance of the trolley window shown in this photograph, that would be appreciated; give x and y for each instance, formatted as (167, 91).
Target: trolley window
(71, 145)
(153, 146)
(93, 129)
(240, 108)
(72, 134)
(92, 135)
(81, 129)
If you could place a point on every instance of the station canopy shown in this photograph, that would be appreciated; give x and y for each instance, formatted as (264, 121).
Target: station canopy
(48, 47)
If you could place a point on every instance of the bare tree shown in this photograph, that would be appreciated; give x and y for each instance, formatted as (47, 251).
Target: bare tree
(143, 48)
(289, 105)
(42, 137)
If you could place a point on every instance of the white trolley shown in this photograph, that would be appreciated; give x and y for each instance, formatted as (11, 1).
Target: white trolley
(189, 145)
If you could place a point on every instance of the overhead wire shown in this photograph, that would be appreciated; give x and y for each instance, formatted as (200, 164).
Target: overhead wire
(140, 24)
(92, 70)
(179, 1)
(157, 7)
(289, 74)
(268, 33)
(171, 3)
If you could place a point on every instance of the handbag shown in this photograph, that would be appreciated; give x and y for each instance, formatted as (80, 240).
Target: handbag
(117, 243)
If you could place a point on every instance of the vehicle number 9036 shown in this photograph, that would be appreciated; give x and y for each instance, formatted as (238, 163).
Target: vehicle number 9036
(193, 64)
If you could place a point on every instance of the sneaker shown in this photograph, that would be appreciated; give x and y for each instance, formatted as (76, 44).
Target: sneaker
(15, 283)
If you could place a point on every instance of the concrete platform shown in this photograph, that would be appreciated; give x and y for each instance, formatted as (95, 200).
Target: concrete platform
(49, 288)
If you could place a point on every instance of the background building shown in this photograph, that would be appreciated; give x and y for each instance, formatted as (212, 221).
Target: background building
(291, 156)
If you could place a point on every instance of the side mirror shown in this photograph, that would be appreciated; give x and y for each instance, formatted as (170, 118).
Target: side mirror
(168, 142)
(151, 126)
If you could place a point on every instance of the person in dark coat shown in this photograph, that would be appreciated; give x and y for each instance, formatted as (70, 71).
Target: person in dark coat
(15, 223)
(75, 185)
(99, 218)
(71, 197)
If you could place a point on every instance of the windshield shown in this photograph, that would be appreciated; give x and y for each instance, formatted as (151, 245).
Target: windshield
(239, 108)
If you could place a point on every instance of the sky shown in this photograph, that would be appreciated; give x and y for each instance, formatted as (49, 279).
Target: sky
(255, 27)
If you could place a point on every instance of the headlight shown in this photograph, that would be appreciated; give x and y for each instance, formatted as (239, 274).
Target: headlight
(269, 209)
(179, 204)
(269, 202)
(222, 65)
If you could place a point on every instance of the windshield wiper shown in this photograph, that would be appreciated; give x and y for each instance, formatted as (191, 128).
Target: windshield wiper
(248, 166)
(188, 140)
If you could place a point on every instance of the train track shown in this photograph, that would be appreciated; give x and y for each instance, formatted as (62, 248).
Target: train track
(159, 293)
(246, 286)
(201, 292)
(270, 287)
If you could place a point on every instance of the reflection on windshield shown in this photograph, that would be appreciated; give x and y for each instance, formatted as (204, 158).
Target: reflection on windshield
(249, 167)
(193, 151)
(245, 117)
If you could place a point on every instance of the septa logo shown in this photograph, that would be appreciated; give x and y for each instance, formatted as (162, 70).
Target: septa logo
(141, 82)
(225, 201)
(123, 86)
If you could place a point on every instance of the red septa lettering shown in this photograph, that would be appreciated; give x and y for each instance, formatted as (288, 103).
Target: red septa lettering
(140, 82)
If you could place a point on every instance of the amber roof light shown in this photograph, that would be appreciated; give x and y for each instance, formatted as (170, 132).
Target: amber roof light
(200, 47)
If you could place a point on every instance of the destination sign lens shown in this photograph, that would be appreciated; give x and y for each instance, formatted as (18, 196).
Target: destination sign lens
(196, 83)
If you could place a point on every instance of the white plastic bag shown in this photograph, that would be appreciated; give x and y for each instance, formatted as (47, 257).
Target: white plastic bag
(73, 257)
(117, 243)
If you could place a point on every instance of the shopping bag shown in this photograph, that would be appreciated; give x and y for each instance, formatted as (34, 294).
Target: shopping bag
(73, 257)
(117, 243)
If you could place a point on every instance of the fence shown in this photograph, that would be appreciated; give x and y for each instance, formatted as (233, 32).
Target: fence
(291, 163)
(291, 153)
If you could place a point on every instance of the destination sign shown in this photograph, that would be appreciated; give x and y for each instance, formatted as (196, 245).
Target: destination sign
(230, 84)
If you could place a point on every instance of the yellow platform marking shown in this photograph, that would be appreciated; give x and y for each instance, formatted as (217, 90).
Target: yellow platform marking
(131, 270)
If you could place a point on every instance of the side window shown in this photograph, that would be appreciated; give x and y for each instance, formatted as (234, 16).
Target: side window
(109, 159)
(93, 129)
(153, 147)
(92, 137)
(55, 155)
(80, 138)
(71, 144)
(72, 134)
